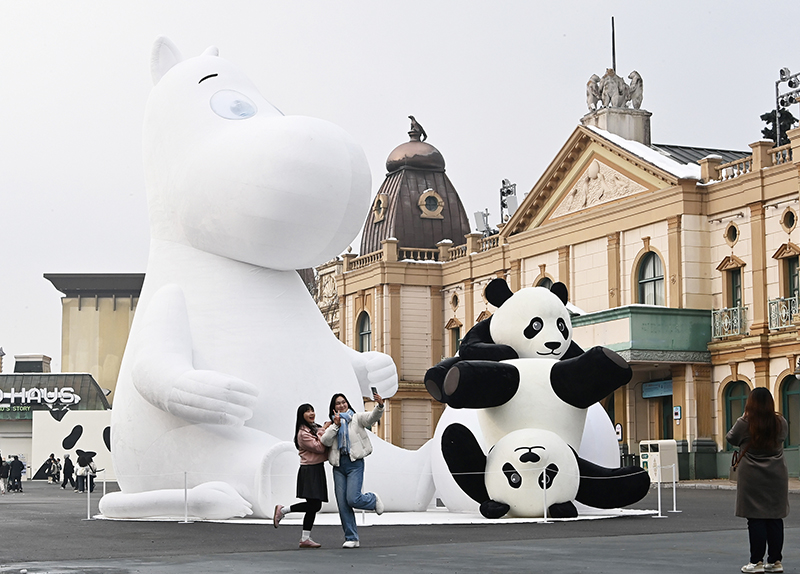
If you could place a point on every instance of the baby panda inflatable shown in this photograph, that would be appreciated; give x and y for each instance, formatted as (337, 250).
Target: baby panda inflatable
(521, 369)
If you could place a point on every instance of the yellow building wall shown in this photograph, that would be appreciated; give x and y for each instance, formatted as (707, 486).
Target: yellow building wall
(94, 334)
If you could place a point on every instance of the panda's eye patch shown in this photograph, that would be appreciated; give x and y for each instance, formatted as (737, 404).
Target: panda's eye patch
(533, 328)
(512, 476)
(562, 326)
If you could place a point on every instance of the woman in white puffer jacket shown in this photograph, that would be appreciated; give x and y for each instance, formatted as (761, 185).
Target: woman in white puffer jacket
(349, 443)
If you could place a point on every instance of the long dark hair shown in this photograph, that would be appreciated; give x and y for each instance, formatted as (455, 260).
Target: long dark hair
(763, 422)
(332, 408)
(301, 422)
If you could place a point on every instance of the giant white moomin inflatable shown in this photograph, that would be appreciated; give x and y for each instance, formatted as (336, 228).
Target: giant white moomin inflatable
(227, 341)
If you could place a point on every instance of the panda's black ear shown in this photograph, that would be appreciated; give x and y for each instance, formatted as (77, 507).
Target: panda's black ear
(560, 290)
(497, 292)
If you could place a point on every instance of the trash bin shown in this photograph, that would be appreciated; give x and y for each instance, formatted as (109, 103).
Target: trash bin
(663, 453)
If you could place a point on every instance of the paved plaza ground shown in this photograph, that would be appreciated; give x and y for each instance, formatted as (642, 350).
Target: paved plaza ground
(45, 530)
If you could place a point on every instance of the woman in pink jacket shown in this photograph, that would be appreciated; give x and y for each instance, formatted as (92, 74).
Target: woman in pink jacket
(311, 482)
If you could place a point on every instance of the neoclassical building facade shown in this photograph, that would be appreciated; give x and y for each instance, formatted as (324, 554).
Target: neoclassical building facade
(682, 259)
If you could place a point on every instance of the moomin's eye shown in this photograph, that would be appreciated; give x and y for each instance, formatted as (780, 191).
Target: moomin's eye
(233, 105)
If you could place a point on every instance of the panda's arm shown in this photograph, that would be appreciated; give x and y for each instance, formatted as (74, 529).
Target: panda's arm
(466, 461)
(573, 351)
(480, 384)
(590, 377)
(477, 344)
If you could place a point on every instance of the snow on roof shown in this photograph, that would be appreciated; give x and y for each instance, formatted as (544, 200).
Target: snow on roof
(679, 170)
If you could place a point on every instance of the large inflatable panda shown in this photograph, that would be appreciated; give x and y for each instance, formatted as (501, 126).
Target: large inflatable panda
(523, 372)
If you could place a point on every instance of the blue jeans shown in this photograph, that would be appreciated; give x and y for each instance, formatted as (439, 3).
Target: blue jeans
(347, 480)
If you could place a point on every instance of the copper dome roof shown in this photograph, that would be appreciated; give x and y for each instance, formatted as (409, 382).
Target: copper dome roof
(415, 154)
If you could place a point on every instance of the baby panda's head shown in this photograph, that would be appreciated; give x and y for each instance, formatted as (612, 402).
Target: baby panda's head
(534, 321)
(526, 462)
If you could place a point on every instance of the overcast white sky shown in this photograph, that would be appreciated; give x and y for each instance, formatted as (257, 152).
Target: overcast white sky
(498, 86)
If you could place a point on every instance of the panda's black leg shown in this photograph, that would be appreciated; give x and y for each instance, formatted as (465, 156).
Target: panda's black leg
(466, 461)
(480, 384)
(434, 377)
(603, 487)
(584, 380)
(494, 509)
(562, 510)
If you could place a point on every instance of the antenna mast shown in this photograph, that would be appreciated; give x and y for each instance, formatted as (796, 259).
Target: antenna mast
(613, 47)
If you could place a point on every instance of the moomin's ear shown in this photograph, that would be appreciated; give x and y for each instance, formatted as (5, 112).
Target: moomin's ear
(164, 56)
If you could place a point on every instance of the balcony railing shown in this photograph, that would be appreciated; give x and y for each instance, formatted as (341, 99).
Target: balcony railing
(735, 168)
(782, 154)
(728, 322)
(781, 312)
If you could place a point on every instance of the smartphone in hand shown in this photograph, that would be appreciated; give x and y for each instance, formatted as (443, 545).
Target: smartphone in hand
(374, 391)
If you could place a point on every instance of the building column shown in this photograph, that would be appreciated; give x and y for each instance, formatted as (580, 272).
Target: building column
(679, 399)
(563, 266)
(394, 342)
(762, 372)
(758, 249)
(437, 325)
(469, 305)
(514, 275)
(675, 263)
(704, 403)
(613, 270)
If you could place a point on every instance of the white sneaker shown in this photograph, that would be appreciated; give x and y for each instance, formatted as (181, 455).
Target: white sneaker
(354, 544)
(773, 567)
(750, 567)
(378, 505)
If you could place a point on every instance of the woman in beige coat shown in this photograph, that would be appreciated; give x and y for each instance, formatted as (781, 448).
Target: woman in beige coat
(349, 443)
(762, 491)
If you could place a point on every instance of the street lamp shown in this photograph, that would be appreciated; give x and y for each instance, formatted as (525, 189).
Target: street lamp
(786, 99)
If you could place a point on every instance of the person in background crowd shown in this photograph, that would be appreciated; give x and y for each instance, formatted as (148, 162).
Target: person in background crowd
(15, 468)
(762, 488)
(86, 470)
(3, 475)
(69, 468)
(51, 469)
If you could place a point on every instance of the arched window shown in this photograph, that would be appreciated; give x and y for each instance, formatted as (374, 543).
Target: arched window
(545, 282)
(735, 398)
(364, 332)
(651, 280)
(790, 401)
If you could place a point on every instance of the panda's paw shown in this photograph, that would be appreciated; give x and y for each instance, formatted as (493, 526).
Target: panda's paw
(562, 510)
(451, 380)
(615, 358)
(494, 509)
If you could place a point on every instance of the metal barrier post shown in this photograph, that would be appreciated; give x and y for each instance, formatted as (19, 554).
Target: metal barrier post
(544, 498)
(674, 493)
(185, 499)
(659, 494)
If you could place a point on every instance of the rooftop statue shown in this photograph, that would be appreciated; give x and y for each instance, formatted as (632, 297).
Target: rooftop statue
(417, 129)
(611, 91)
(614, 89)
(637, 88)
(593, 96)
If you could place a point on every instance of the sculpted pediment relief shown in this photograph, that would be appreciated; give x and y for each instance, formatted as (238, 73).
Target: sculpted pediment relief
(598, 184)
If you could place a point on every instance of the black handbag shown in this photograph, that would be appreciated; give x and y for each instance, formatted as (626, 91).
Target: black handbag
(738, 455)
